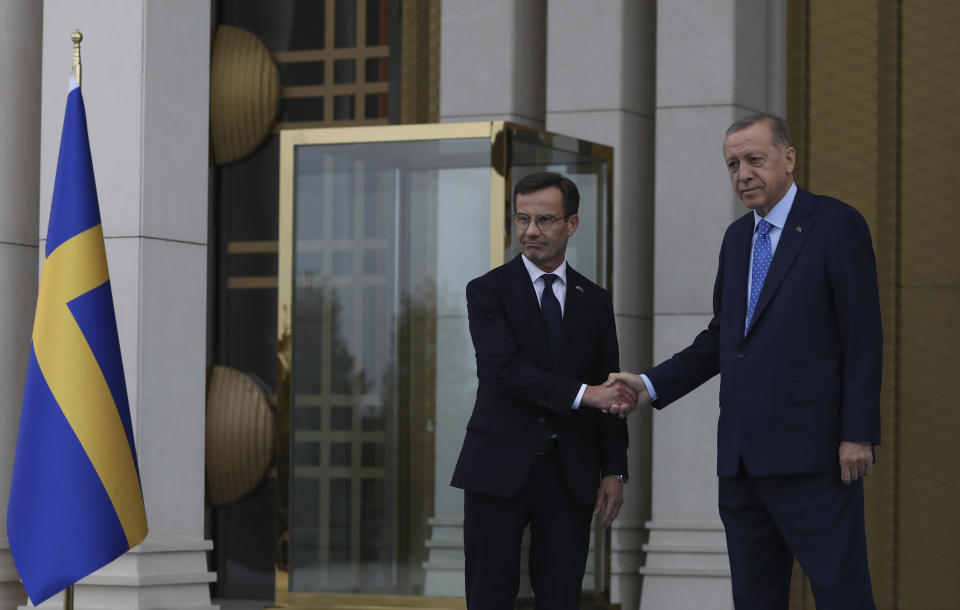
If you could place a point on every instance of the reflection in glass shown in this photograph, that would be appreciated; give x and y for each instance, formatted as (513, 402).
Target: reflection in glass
(537, 152)
(384, 236)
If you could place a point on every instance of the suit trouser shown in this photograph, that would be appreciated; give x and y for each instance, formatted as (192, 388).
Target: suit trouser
(559, 540)
(813, 517)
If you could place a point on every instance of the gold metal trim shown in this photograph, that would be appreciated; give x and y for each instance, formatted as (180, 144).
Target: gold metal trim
(337, 89)
(606, 153)
(499, 170)
(251, 282)
(253, 247)
(284, 357)
(311, 55)
(388, 133)
(292, 125)
(348, 601)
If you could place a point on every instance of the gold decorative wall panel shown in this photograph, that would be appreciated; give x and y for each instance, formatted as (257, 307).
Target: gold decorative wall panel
(240, 433)
(929, 499)
(244, 93)
(872, 85)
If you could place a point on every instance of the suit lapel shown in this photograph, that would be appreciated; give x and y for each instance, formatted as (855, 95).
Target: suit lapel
(739, 260)
(574, 310)
(795, 231)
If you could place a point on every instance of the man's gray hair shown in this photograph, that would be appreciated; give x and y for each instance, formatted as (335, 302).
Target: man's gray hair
(778, 127)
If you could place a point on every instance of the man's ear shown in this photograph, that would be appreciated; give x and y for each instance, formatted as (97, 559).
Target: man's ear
(791, 157)
(572, 223)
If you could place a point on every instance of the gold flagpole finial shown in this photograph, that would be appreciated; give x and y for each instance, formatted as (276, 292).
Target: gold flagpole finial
(76, 37)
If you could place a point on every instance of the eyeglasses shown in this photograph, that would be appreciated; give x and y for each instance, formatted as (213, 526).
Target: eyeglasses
(522, 221)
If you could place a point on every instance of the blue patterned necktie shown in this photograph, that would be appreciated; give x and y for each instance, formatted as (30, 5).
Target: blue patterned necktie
(762, 253)
(552, 316)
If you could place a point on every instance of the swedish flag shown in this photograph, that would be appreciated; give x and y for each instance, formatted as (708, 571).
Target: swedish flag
(75, 500)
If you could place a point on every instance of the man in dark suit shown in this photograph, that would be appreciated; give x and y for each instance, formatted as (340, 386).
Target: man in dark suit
(538, 450)
(796, 338)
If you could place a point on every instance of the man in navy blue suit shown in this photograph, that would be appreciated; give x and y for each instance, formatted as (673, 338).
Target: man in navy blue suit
(796, 338)
(538, 450)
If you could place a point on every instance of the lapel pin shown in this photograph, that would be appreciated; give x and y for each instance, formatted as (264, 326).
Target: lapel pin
(799, 229)
(579, 288)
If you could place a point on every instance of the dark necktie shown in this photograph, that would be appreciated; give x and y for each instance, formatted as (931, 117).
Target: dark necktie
(552, 316)
(762, 253)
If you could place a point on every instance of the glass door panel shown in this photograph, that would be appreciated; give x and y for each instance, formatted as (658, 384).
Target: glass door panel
(384, 238)
(380, 230)
(590, 167)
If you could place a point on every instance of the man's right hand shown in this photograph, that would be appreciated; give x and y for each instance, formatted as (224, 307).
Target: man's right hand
(608, 395)
(635, 383)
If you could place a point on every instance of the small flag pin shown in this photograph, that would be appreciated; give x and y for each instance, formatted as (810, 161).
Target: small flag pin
(799, 229)
(579, 288)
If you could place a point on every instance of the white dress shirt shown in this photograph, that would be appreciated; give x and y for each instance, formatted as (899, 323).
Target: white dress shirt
(559, 290)
(776, 217)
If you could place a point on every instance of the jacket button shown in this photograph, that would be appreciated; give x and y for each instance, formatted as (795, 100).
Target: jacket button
(740, 355)
(541, 420)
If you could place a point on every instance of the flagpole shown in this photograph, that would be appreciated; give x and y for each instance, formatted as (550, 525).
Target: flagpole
(79, 377)
(68, 598)
(76, 37)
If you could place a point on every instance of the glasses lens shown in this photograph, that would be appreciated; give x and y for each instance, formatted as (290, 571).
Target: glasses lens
(546, 222)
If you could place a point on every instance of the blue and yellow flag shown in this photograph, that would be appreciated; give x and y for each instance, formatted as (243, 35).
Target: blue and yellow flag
(75, 501)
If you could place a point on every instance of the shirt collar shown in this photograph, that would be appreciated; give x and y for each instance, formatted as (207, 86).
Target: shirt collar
(778, 215)
(536, 272)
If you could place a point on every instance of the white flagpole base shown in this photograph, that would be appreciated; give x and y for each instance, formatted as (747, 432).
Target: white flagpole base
(168, 574)
(11, 591)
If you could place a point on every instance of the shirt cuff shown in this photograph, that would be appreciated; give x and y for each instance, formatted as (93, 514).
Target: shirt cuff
(650, 390)
(576, 401)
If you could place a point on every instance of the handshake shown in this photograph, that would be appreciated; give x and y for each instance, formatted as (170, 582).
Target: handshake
(620, 394)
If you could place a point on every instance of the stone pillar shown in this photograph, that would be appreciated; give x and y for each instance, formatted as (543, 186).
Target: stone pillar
(600, 87)
(20, 54)
(492, 60)
(145, 85)
(715, 61)
(491, 69)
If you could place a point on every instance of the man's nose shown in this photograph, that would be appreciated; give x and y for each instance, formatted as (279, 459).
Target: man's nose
(532, 228)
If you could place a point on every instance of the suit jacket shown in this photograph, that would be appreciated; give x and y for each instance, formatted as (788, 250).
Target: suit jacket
(807, 374)
(522, 397)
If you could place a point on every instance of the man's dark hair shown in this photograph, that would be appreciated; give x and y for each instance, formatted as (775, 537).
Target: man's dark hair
(778, 127)
(541, 180)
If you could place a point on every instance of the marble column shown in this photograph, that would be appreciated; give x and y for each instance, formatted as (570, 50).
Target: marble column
(492, 60)
(491, 69)
(600, 87)
(145, 85)
(20, 54)
(715, 61)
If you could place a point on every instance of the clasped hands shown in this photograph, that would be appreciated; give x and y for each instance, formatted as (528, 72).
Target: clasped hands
(620, 394)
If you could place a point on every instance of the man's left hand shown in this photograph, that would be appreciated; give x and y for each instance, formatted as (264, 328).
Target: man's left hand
(856, 460)
(610, 499)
